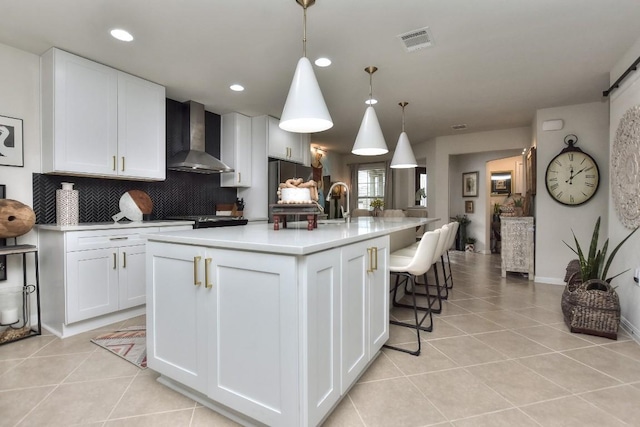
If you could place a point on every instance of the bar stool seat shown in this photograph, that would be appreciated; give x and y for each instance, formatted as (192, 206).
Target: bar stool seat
(406, 268)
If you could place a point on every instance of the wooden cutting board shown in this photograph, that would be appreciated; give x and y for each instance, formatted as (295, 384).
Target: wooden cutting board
(143, 201)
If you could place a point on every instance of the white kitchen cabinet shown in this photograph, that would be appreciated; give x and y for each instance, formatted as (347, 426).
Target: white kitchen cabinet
(281, 144)
(92, 274)
(364, 305)
(235, 149)
(277, 338)
(241, 318)
(98, 121)
(176, 311)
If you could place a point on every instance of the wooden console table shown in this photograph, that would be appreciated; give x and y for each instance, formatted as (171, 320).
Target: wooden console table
(280, 212)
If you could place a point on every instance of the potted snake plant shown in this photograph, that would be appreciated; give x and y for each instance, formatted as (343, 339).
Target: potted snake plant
(590, 304)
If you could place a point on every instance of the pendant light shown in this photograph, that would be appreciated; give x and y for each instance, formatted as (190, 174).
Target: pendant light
(370, 141)
(305, 110)
(403, 157)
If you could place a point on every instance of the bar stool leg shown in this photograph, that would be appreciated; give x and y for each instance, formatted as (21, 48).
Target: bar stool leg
(417, 322)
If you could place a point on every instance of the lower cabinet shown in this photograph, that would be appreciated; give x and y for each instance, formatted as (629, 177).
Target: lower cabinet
(269, 336)
(91, 273)
(364, 295)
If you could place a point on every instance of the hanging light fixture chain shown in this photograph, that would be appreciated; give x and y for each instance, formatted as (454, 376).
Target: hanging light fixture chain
(304, 32)
(371, 70)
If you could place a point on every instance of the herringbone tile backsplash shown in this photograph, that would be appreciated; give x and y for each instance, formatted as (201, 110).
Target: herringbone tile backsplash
(181, 193)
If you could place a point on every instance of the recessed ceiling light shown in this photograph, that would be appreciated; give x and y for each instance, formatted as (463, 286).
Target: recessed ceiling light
(121, 34)
(236, 88)
(371, 101)
(323, 62)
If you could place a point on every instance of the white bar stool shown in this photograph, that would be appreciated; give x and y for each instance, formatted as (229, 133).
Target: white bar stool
(406, 268)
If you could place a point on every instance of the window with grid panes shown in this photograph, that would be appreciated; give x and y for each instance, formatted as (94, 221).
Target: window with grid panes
(371, 180)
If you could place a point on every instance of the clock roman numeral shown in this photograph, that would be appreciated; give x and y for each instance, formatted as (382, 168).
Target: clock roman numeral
(571, 157)
(557, 162)
(589, 184)
(559, 194)
(553, 187)
(570, 199)
(589, 176)
(553, 179)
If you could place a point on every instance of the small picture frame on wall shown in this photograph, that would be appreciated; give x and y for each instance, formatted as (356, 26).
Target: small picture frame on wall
(470, 184)
(468, 206)
(11, 143)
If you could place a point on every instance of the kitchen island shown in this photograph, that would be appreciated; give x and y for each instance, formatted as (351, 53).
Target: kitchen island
(270, 327)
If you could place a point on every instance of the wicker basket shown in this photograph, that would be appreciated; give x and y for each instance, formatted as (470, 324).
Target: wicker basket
(591, 307)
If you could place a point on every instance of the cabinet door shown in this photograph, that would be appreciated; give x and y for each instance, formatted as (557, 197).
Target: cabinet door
(353, 312)
(378, 288)
(79, 115)
(141, 128)
(131, 284)
(253, 323)
(92, 284)
(321, 351)
(235, 149)
(299, 148)
(277, 140)
(176, 328)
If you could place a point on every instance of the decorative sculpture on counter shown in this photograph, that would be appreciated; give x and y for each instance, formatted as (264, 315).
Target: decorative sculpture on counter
(134, 204)
(16, 218)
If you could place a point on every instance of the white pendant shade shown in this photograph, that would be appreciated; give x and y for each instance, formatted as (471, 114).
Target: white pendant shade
(305, 110)
(370, 141)
(403, 156)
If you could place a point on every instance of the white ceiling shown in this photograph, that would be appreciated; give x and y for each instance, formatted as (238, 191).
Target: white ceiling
(494, 62)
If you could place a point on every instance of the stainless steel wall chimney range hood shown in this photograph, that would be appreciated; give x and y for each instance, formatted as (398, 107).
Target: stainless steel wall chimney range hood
(195, 159)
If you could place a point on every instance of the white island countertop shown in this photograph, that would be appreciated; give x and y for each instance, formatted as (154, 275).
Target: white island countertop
(293, 240)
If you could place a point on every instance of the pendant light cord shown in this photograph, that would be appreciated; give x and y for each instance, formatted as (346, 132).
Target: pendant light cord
(402, 117)
(304, 32)
(370, 88)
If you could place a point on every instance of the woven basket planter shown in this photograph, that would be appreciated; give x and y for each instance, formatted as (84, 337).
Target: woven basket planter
(591, 307)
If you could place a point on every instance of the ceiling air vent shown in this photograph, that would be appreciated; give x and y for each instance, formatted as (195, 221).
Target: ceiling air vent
(459, 127)
(417, 39)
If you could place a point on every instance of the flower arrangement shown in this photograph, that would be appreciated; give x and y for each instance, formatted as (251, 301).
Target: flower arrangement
(377, 203)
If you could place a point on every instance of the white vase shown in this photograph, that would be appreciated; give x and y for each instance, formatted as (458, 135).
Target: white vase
(67, 210)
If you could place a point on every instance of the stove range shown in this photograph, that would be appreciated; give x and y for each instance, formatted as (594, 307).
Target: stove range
(206, 221)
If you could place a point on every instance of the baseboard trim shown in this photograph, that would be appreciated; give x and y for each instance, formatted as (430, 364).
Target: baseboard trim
(549, 280)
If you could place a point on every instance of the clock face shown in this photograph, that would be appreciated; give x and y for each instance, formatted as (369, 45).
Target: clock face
(572, 178)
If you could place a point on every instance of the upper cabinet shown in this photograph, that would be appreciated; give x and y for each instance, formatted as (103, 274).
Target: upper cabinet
(235, 149)
(98, 121)
(285, 145)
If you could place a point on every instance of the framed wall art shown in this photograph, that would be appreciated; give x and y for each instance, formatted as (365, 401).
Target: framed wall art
(501, 182)
(470, 184)
(468, 206)
(11, 143)
(531, 171)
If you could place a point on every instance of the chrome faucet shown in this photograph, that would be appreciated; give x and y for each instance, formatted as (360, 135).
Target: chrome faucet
(345, 214)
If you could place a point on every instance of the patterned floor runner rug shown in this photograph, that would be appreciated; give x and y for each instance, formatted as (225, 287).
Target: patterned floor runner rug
(129, 343)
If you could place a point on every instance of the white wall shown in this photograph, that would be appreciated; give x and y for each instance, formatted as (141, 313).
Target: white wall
(437, 152)
(20, 98)
(628, 257)
(554, 221)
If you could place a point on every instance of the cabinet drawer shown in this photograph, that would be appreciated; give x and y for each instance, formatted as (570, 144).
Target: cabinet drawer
(85, 240)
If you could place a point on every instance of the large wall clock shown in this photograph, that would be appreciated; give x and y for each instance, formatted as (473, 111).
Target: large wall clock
(572, 176)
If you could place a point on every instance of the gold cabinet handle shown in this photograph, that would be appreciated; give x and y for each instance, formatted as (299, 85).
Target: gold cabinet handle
(239, 176)
(123, 164)
(119, 238)
(207, 266)
(124, 260)
(114, 163)
(196, 260)
(114, 261)
(370, 252)
(375, 257)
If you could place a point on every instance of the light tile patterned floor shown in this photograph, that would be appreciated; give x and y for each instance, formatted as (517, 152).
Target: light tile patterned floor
(500, 355)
